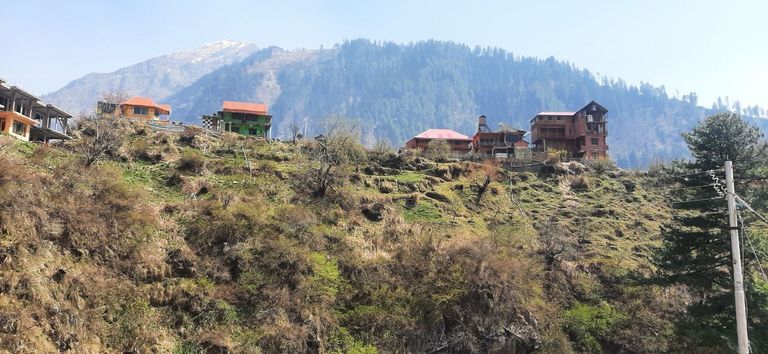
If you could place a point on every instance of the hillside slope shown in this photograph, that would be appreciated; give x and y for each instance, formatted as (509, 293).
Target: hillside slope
(157, 77)
(190, 243)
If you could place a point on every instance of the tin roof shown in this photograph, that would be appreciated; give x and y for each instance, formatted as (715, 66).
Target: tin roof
(245, 107)
(556, 113)
(442, 134)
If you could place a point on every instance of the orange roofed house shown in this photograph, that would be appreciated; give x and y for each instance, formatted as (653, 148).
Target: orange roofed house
(581, 134)
(460, 144)
(241, 117)
(137, 108)
(144, 108)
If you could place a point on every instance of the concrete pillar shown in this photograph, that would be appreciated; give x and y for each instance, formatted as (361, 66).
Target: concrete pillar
(12, 103)
(47, 117)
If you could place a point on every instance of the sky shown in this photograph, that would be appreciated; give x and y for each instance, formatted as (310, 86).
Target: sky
(713, 48)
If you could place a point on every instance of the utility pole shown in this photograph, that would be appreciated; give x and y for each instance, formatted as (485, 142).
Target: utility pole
(738, 279)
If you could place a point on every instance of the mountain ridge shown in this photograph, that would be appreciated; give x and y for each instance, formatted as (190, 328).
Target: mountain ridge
(156, 77)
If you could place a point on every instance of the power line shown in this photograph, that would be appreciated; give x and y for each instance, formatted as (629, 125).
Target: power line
(749, 207)
(692, 187)
(749, 241)
(697, 200)
(691, 174)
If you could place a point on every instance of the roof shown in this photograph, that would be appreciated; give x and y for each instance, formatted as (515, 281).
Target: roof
(556, 113)
(442, 134)
(245, 107)
(597, 107)
(506, 128)
(148, 102)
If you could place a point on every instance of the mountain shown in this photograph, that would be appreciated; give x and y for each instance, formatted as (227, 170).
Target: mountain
(156, 77)
(394, 91)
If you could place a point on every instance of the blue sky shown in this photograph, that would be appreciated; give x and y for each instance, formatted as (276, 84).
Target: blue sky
(715, 48)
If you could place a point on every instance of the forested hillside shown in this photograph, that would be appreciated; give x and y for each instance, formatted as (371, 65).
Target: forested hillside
(397, 91)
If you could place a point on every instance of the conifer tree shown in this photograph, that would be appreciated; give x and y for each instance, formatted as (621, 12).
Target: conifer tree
(696, 247)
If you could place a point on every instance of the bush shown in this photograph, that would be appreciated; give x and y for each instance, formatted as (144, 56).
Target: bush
(602, 166)
(588, 324)
(580, 183)
(191, 162)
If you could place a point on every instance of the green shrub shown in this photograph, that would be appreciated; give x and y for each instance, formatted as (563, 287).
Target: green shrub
(326, 279)
(589, 324)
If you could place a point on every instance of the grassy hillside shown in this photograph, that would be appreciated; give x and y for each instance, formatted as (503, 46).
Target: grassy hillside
(190, 243)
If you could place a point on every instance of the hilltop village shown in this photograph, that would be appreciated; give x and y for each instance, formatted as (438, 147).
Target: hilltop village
(579, 135)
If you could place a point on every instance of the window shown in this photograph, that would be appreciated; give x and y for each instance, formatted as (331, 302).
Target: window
(2, 125)
(558, 118)
(595, 141)
(549, 117)
(140, 111)
(19, 128)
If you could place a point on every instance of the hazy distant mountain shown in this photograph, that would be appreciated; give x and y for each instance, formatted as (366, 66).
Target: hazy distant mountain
(156, 77)
(396, 91)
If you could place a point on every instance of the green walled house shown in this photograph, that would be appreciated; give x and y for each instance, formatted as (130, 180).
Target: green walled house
(241, 117)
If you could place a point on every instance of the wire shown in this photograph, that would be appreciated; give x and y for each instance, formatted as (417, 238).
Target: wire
(749, 207)
(749, 241)
(691, 174)
(693, 187)
(697, 200)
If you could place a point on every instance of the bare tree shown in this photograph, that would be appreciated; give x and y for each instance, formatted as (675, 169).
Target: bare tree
(438, 150)
(110, 103)
(333, 156)
(99, 135)
(490, 171)
(555, 242)
(295, 132)
(381, 149)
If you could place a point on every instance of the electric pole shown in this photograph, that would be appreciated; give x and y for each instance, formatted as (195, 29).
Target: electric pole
(738, 279)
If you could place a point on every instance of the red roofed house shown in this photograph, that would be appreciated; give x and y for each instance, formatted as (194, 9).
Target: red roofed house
(144, 108)
(581, 134)
(241, 117)
(460, 144)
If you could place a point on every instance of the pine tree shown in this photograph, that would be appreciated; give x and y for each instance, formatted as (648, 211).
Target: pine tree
(696, 247)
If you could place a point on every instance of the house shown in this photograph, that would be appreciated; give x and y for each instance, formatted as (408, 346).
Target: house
(460, 144)
(24, 117)
(241, 117)
(504, 142)
(138, 108)
(581, 134)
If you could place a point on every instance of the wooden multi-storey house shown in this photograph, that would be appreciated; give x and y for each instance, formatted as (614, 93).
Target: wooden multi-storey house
(504, 142)
(581, 134)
